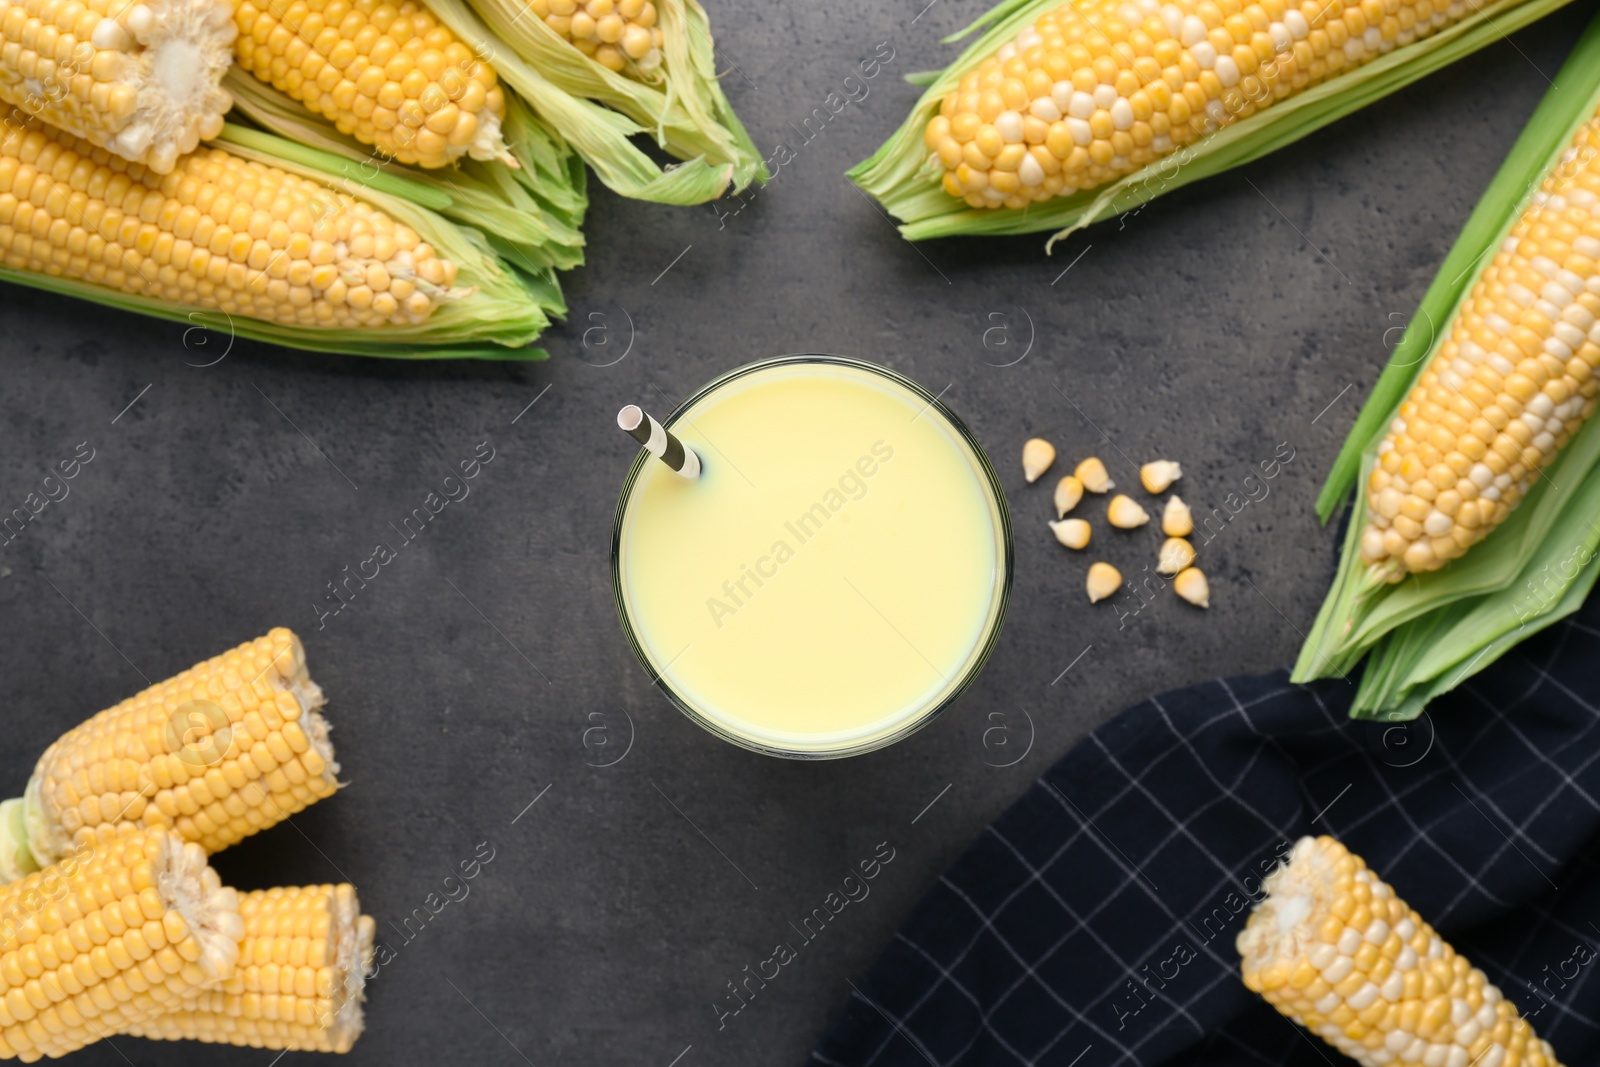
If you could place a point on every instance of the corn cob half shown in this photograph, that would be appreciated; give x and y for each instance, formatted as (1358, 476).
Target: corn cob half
(229, 747)
(142, 78)
(1335, 950)
(299, 983)
(119, 931)
(389, 75)
(1505, 391)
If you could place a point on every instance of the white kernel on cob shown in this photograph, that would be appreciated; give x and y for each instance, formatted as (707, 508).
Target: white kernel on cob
(116, 933)
(1508, 387)
(1095, 90)
(300, 979)
(389, 75)
(219, 232)
(1334, 949)
(227, 748)
(141, 79)
(620, 35)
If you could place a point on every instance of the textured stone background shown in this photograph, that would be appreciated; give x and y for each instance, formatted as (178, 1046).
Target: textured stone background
(1219, 323)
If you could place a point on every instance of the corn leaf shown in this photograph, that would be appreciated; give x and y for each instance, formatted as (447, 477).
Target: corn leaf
(500, 319)
(598, 112)
(1427, 633)
(904, 179)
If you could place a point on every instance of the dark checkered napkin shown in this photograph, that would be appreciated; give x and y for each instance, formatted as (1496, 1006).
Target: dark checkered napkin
(1093, 923)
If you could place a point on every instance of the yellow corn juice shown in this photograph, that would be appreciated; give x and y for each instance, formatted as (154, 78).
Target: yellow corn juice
(836, 574)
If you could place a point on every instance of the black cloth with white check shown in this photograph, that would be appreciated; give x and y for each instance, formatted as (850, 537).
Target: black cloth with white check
(1094, 923)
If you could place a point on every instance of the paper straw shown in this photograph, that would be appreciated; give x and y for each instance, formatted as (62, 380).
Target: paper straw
(659, 441)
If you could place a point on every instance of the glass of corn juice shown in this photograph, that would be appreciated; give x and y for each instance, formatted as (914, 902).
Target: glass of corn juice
(836, 575)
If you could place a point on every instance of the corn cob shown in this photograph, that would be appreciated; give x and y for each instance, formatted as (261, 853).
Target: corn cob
(229, 747)
(388, 75)
(299, 982)
(620, 35)
(142, 79)
(220, 232)
(1335, 950)
(1506, 390)
(1094, 91)
(676, 101)
(119, 931)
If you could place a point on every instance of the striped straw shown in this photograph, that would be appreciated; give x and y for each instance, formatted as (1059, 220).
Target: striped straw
(659, 441)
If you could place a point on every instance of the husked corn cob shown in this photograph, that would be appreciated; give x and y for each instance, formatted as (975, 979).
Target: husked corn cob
(620, 35)
(229, 747)
(298, 986)
(119, 931)
(389, 75)
(142, 79)
(1095, 90)
(1336, 951)
(1509, 386)
(218, 232)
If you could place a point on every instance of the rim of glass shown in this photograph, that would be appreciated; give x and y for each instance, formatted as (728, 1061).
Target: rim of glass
(980, 655)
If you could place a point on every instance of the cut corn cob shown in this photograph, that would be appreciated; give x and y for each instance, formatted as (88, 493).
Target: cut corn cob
(299, 983)
(120, 931)
(1094, 91)
(220, 232)
(142, 79)
(620, 35)
(1512, 382)
(388, 75)
(229, 747)
(1334, 949)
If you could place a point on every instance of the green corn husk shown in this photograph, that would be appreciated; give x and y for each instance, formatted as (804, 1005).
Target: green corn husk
(902, 178)
(500, 320)
(598, 111)
(1426, 634)
(531, 216)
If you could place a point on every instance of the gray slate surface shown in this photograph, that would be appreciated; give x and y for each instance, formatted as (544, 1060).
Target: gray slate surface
(1250, 310)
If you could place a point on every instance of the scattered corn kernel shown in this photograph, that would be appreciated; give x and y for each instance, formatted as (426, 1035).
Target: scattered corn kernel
(1159, 475)
(1074, 533)
(1124, 514)
(1068, 492)
(1104, 579)
(1092, 473)
(1176, 520)
(1334, 949)
(1037, 455)
(1176, 554)
(1191, 584)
